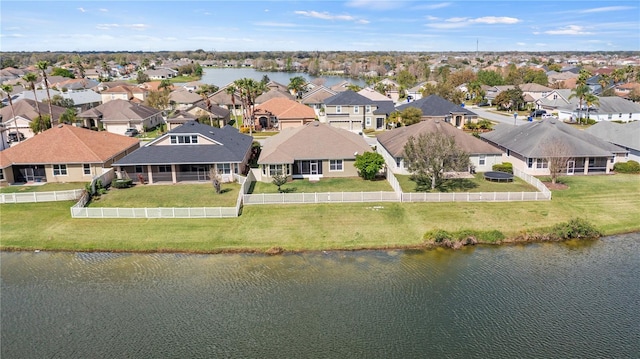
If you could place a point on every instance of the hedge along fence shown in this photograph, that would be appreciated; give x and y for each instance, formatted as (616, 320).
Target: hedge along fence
(80, 211)
(52, 196)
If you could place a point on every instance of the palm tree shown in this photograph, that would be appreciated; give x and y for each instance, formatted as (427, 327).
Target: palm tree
(249, 90)
(231, 91)
(42, 66)
(8, 89)
(297, 85)
(204, 91)
(580, 92)
(591, 100)
(31, 78)
(604, 80)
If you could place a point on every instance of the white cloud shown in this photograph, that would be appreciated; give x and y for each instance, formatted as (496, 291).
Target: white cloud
(104, 10)
(12, 35)
(458, 22)
(496, 20)
(569, 30)
(138, 27)
(275, 24)
(433, 6)
(432, 18)
(362, 21)
(606, 9)
(521, 43)
(327, 16)
(81, 9)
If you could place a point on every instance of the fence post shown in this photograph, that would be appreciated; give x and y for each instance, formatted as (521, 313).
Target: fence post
(173, 211)
(146, 214)
(508, 196)
(522, 199)
(101, 212)
(494, 196)
(468, 197)
(35, 198)
(55, 195)
(118, 212)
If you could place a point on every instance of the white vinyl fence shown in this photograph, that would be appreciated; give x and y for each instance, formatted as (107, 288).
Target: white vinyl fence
(80, 211)
(322, 197)
(27, 197)
(473, 197)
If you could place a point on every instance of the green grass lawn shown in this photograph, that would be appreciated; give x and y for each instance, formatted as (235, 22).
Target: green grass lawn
(477, 184)
(43, 188)
(181, 195)
(611, 203)
(348, 184)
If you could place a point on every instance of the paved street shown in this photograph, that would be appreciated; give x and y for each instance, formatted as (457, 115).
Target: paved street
(497, 117)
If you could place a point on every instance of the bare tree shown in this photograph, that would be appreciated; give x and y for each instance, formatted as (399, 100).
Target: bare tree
(430, 155)
(557, 154)
(215, 180)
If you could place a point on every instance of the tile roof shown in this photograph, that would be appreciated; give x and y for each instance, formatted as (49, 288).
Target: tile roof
(273, 93)
(27, 108)
(233, 147)
(436, 106)
(529, 139)
(313, 141)
(67, 144)
(317, 95)
(395, 140)
(184, 96)
(284, 109)
(372, 94)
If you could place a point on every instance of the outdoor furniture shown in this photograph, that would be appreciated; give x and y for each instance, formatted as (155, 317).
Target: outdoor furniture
(497, 176)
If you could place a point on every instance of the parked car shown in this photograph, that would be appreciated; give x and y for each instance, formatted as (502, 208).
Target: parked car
(483, 103)
(131, 132)
(547, 115)
(15, 137)
(538, 113)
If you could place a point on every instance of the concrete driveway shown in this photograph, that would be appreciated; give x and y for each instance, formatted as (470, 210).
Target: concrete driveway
(495, 117)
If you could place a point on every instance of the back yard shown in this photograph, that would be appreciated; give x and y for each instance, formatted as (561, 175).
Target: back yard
(476, 184)
(179, 195)
(350, 184)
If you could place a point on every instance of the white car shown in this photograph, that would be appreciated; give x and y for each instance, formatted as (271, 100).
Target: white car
(547, 115)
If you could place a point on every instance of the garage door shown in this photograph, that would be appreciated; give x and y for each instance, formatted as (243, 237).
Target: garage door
(116, 128)
(346, 125)
(289, 124)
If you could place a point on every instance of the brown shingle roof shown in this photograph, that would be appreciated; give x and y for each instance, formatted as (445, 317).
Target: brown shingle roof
(67, 144)
(286, 109)
(395, 140)
(313, 141)
(118, 110)
(27, 108)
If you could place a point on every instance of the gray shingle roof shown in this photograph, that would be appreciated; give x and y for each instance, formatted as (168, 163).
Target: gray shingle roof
(626, 135)
(348, 98)
(395, 140)
(436, 106)
(529, 139)
(234, 146)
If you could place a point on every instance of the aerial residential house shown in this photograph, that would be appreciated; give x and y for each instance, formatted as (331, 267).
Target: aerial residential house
(183, 99)
(384, 107)
(609, 108)
(273, 93)
(625, 135)
(161, 73)
(625, 90)
(189, 153)
(210, 113)
(124, 92)
(315, 99)
(178, 118)
(231, 102)
(64, 153)
(390, 145)
(312, 151)
(526, 147)
(392, 89)
(434, 107)
(281, 113)
(116, 116)
(535, 91)
(25, 111)
(350, 111)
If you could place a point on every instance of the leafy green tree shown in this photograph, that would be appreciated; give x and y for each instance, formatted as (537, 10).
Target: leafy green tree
(58, 100)
(369, 164)
(31, 78)
(158, 99)
(59, 71)
(430, 155)
(406, 79)
(142, 77)
(69, 116)
(278, 180)
(40, 124)
(490, 78)
(410, 115)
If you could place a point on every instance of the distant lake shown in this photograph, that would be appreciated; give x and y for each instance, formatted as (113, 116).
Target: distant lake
(547, 300)
(223, 76)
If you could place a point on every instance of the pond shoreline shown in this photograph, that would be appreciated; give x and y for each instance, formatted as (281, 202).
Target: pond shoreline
(276, 250)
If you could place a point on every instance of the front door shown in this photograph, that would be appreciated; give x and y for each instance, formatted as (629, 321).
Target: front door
(29, 176)
(571, 167)
(379, 123)
(313, 167)
(202, 173)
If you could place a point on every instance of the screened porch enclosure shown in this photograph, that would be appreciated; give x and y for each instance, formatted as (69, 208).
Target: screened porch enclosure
(307, 168)
(180, 173)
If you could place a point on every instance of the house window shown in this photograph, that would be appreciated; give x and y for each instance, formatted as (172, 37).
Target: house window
(620, 115)
(264, 170)
(482, 160)
(335, 165)
(184, 139)
(338, 109)
(367, 109)
(398, 161)
(139, 169)
(610, 116)
(356, 109)
(86, 168)
(59, 170)
(530, 162)
(224, 168)
(164, 168)
(275, 170)
(1, 175)
(542, 163)
(630, 115)
(368, 121)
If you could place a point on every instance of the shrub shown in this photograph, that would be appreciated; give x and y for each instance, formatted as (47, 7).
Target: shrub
(244, 129)
(575, 228)
(485, 124)
(438, 236)
(122, 183)
(503, 167)
(627, 167)
(471, 126)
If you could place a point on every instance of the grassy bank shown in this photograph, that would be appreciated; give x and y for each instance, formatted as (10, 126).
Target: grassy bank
(611, 203)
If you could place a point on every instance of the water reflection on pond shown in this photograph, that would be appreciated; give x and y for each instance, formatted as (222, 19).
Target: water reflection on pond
(573, 299)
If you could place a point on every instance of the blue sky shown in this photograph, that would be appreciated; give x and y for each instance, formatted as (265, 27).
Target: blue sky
(361, 25)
